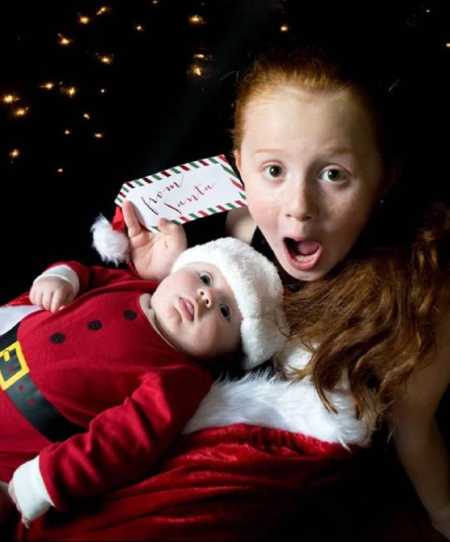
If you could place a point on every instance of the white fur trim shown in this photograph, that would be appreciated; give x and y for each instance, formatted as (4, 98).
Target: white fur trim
(257, 288)
(293, 357)
(63, 272)
(271, 402)
(10, 315)
(112, 245)
(32, 498)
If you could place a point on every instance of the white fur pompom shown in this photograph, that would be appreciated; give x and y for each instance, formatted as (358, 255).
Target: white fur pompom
(112, 245)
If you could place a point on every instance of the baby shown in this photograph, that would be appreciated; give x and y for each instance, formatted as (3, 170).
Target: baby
(97, 386)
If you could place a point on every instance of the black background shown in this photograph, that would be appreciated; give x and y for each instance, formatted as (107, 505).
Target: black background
(155, 113)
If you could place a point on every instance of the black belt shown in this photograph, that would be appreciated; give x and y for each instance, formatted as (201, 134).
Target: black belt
(16, 382)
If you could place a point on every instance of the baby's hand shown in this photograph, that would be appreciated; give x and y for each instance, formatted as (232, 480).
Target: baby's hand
(51, 293)
(153, 254)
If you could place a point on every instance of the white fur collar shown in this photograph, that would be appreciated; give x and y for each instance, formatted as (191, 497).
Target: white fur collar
(271, 402)
(259, 399)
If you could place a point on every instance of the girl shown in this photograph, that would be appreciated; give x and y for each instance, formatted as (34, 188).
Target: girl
(318, 157)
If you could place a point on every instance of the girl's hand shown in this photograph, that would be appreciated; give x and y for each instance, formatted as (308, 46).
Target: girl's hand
(51, 293)
(153, 254)
(441, 521)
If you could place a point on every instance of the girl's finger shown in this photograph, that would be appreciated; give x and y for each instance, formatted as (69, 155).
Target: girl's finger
(166, 226)
(131, 221)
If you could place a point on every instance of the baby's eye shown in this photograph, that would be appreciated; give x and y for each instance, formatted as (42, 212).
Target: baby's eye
(334, 175)
(225, 311)
(206, 278)
(273, 171)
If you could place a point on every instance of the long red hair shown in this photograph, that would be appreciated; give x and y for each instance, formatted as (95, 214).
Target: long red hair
(374, 315)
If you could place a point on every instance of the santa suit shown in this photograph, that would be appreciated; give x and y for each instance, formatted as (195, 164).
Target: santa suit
(102, 365)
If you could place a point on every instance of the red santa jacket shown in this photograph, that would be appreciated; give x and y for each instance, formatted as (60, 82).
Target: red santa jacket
(102, 365)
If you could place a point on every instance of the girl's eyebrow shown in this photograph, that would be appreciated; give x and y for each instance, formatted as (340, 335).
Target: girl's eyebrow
(339, 150)
(328, 150)
(269, 151)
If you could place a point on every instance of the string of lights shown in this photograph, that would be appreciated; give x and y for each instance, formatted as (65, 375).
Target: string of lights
(21, 104)
(71, 39)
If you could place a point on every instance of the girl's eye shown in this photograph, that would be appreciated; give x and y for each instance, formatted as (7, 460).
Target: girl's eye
(273, 171)
(334, 175)
(225, 311)
(206, 279)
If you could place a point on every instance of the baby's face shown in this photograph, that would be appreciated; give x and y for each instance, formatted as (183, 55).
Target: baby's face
(196, 311)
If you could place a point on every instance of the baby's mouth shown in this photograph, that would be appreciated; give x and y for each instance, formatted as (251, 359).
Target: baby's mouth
(187, 308)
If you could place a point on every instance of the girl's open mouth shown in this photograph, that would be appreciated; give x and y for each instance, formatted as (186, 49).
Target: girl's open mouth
(303, 255)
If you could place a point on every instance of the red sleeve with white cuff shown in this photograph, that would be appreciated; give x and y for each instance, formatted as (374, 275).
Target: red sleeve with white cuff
(28, 490)
(63, 272)
(120, 446)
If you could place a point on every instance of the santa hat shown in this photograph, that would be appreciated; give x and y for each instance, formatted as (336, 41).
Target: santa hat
(110, 239)
(258, 291)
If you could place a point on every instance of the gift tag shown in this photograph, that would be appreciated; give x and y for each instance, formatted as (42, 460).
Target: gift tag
(186, 192)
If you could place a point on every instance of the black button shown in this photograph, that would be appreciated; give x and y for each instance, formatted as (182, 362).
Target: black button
(129, 314)
(94, 325)
(58, 338)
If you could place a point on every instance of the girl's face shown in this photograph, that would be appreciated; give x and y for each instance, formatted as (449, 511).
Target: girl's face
(312, 174)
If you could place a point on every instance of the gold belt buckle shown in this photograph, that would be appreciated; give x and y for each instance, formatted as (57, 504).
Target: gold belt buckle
(8, 355)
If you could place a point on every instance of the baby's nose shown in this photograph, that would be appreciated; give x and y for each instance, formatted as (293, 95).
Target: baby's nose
(206, 297)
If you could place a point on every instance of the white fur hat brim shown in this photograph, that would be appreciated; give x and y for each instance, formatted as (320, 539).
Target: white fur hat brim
(257, 288)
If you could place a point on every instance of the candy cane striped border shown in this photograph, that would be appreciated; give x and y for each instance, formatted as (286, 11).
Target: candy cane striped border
(189, 166)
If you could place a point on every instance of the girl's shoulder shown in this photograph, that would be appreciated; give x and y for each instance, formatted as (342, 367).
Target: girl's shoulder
(442, 354)
(429, 381)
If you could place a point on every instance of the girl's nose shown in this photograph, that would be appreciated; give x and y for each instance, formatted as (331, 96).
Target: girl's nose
(301, 202)
(205, 297)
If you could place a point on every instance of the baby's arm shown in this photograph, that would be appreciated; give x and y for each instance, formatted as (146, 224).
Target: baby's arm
(55, 288)
(28, 492)
(418, 440)
(60, 284)
(120, 445)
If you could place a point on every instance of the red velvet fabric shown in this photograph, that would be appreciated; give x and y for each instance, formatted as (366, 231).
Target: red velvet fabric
(238, 482)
